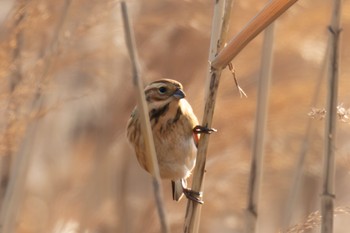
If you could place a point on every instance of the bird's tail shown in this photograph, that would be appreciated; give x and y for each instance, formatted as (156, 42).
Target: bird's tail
(177, 188)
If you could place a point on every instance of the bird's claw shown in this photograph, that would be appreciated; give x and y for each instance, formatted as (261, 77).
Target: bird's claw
(202, 129)
(193, 195)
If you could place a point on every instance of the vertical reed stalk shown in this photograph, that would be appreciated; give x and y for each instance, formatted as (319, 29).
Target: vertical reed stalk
(145, 122)
(300, 163)
(328, 194)
(265, 17)
(260, 127)
(222, 10)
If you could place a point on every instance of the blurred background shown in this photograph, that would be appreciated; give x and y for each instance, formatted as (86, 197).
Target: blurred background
(66, 96)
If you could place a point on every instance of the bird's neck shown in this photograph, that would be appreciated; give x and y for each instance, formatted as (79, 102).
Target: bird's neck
(163, 113)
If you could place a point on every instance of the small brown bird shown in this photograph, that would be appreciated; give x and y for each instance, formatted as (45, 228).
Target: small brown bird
(175, 131)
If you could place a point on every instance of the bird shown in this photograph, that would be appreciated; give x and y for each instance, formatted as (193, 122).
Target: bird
(176, 133)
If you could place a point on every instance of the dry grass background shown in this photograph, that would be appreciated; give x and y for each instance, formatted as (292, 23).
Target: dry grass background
(66, 95)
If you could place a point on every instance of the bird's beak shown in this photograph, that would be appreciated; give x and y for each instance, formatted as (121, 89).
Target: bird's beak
(179, 94)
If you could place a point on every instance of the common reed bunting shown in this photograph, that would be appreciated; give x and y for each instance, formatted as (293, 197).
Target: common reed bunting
(175, 131)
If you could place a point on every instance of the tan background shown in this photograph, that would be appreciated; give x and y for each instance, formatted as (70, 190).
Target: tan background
(66, 95)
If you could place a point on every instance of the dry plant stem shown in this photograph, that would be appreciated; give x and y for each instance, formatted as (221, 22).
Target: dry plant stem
(145, 122)
(299, 166)
(260, 126)
(193, 210)
(328, 195)
(233, 72)
(264, 18)
(221, 17)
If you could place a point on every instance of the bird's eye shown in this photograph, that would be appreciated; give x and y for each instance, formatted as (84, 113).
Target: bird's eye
(162, 90)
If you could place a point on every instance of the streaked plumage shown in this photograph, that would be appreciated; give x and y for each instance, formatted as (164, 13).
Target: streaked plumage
(172, 121)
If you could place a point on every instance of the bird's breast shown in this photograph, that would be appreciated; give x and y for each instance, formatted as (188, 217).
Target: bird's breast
(174, 142)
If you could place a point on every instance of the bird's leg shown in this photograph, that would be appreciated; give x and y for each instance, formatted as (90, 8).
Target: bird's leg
(190, 194)
(202, 129)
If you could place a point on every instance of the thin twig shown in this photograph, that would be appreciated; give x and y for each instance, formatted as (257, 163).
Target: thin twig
(305, 141)
(328, 195)
(221, 17)
(233, 72)
(263, 19)
(145, 122)
(260, 127)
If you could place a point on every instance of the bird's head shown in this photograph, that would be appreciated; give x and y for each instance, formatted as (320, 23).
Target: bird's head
(164, 91)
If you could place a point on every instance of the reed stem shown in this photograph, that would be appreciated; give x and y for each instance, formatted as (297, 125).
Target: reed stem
(145, 122)
(222, 10)
(260, 128)
(328, 182)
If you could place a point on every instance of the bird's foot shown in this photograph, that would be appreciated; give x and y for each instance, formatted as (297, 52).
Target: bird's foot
(193, 195)
(202, 129)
